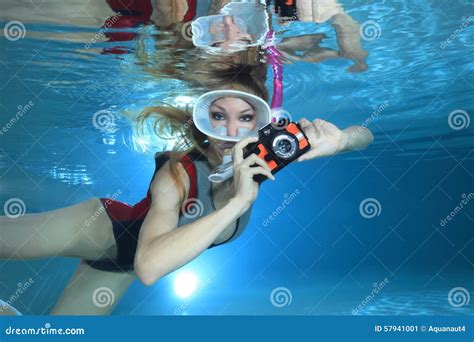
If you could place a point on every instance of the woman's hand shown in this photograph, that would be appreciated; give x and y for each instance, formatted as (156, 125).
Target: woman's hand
(324, 137)
(245, 188)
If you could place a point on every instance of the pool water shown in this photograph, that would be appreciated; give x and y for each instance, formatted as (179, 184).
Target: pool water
(366, 233)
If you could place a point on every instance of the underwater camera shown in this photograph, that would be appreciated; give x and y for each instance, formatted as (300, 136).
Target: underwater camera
(278, 146)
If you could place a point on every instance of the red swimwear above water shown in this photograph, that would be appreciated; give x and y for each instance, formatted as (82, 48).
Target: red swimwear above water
(133, 13)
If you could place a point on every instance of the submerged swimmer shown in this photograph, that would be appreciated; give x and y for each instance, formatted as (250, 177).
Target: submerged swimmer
(162, 233)
(228, 33)
(238, 26)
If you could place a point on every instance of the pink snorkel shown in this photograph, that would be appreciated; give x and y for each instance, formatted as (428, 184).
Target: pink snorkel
(273, 58)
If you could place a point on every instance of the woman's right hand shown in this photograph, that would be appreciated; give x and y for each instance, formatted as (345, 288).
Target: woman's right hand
(244, 187)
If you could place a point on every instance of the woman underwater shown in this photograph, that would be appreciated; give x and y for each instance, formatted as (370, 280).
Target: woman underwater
(122, 242)
(127, 242)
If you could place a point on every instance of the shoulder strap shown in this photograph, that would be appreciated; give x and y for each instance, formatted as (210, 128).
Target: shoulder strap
(190, 168)
(141, 208)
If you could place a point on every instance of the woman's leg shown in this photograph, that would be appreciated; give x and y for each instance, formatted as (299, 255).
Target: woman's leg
(83, 230)
(92, 292)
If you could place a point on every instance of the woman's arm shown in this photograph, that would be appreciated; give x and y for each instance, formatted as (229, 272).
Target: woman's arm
(162, 248)
(326, 139)
(358, 138)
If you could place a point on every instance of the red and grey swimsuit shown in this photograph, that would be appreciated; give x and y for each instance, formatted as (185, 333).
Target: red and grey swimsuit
(127, 220)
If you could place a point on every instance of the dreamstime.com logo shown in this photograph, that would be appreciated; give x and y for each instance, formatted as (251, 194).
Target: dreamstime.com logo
(21, 110)
(14, 208)
(46, 330)
(280, 297)
(106, 203)
(458, 119)
(376, 112)
(103, 296)
(370, 30)
(192, 208)
(280, 118)
(14, 30)
(188, 30)
(458, 296)
(21, 288)
(370, 208)
(464, 24)
(99, 35)
(104, 121)
(288, 198)
(377, 287)
(463, 203)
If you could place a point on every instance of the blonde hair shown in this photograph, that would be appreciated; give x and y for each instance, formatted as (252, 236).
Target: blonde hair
(173, 123)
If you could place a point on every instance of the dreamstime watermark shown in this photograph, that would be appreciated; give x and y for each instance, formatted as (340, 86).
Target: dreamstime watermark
(377, 111)
(189, 29)
(192, 208)
(21, 110)
(280, 297)
(464, 24)
(463, 203)
(109, 22)
(458, 119)
(370, 207)
(103, 296)
(104, 121)
(14, 208)
(458, 296)
(288, 198)
(188, 123)
(46, 330)
(285, 21)
(370, 30)
(280, 118)
(14, 30)
(105, 205)
(377, 287)
(21, 287)
(185, 304)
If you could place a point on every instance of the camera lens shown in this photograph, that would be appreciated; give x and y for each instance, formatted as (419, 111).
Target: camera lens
(284, 146)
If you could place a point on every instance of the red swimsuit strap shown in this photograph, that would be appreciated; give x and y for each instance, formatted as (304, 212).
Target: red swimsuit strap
(191, 13)
(190, 168)
(140, 209)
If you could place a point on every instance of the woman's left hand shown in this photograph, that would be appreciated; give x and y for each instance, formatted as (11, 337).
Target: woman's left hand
(324, 137)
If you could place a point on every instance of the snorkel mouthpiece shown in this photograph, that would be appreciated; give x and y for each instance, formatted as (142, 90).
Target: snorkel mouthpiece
(223, 171)
(222, 131)
(243, 132)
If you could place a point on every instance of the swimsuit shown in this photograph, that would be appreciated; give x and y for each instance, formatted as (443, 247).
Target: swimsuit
(127, 220)
(130, 14)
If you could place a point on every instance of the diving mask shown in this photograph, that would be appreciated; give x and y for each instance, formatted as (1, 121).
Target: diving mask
(202, 120)
(250, 18)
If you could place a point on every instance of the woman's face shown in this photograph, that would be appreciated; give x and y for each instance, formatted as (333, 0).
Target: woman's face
(231, 33)
(232, 113)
